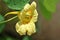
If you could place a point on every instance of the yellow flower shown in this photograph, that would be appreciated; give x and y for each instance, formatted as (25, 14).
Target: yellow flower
(28, 17)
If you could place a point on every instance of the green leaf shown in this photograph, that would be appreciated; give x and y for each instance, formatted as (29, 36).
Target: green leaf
(27, 37)
(47, 14)
(2, 26)
(16, 4)
(50, 5)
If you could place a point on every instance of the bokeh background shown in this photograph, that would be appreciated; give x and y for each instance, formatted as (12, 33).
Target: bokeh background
(47, 30)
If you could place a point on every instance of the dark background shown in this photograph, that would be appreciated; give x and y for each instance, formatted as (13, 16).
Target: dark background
(47, 30)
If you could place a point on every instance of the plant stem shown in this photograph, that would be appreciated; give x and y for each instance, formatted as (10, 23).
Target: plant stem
(8, 20)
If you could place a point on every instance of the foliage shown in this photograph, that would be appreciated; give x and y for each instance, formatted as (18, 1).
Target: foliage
(47, 7)
(2, 26)
(16, 4)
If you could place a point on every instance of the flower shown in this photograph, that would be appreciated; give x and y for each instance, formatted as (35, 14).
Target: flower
(28, 17)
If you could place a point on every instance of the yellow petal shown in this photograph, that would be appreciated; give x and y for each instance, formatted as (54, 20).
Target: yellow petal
(29, 28)
(26, 7)
(20, 29)
(35, 16)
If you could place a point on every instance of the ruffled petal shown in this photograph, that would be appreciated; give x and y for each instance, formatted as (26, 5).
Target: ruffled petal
(24, 29)
(31, 29)
(35, 16)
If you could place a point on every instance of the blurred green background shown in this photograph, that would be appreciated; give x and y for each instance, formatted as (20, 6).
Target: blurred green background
(47, 30)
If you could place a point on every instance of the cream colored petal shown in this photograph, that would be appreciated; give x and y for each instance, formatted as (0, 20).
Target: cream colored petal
(26, 7)
(35, 16)
(33, 4)
(31, 29)
(21, 29)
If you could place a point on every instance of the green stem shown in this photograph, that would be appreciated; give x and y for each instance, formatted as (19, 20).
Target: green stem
(8, 20)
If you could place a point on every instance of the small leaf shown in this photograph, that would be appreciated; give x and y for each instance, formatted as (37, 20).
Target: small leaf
(50, 5)
(1, 25)
(16, 4)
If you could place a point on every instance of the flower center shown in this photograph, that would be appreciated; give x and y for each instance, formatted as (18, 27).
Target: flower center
(27, 17)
